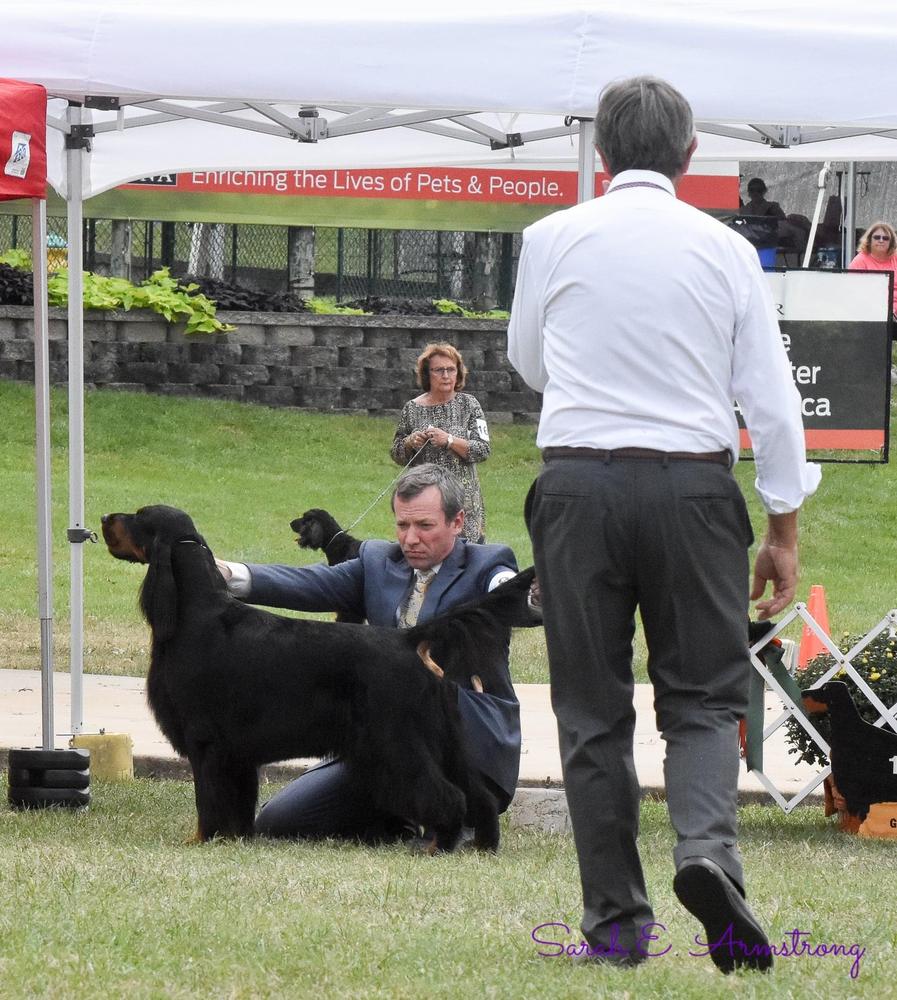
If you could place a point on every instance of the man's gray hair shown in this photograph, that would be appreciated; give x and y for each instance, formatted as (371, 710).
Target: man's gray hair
(643, 124)
(412, 482)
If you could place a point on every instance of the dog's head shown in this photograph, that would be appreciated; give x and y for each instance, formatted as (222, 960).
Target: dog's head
(818, 700)
(147, 536)
(135, 537)
(315, 529)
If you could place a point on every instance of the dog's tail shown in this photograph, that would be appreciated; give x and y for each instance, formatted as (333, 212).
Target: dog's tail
(472, 638)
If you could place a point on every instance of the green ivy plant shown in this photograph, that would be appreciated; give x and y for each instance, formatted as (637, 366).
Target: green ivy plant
(17, 258)
(185, 303)
(326, 306)
(451, 308)
(160, 292)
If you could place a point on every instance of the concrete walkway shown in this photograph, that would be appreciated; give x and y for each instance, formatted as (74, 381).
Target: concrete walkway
(118, 705)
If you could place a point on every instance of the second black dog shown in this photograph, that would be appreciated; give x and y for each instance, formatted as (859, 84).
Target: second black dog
(317, 529)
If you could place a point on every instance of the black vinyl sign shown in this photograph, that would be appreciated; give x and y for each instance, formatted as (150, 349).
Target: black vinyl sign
(836, 328)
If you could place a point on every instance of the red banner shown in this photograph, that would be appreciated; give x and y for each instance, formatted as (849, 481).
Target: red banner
(23, 140)
(836, 439)
(529, 187)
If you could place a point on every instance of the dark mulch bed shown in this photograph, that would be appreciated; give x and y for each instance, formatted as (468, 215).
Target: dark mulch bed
(16, 287)
(229, 296)
(404, 307)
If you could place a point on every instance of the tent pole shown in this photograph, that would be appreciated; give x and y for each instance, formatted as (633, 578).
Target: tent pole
(76, 534)
(821, 182)
(586, 161)
(848, 230)
(42, 459)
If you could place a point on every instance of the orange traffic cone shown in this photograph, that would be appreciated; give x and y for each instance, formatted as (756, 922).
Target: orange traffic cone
(810, 644)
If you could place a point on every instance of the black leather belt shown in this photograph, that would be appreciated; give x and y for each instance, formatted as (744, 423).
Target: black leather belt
(647, 454)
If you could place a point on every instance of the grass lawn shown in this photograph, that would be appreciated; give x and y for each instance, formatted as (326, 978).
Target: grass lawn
(110, 902)
(244, 472)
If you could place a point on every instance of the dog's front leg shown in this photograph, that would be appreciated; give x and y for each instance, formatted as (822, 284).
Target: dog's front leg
(226, 791)
(482, 815)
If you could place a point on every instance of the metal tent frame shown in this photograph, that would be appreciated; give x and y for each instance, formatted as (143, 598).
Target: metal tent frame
(306, 124)
(311, 79)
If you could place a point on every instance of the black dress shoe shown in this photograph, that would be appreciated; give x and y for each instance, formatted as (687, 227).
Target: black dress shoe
(733, 936)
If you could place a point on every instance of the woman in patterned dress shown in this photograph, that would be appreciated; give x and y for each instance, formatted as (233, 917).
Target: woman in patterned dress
(448, 427)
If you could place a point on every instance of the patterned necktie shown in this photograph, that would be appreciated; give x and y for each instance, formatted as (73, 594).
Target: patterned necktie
(411, 608)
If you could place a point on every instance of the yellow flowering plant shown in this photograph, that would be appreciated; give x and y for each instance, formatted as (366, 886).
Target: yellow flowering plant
(876, 664)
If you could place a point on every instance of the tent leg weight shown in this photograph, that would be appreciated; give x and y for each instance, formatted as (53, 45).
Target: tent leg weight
(58, 760)
(37, 778)
(42, 778)
(44, 798)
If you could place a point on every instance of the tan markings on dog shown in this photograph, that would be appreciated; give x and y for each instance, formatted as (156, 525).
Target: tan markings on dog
(850, 823)
(813, 706)
(423, 651)
(476, 683)
(120, 544)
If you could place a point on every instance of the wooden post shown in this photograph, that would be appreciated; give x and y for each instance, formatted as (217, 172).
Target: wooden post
(301, 261)
(486, 271)
(120, 252)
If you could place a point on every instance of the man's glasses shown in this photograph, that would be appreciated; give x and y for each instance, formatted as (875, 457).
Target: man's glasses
(443, 371)
(881, 236)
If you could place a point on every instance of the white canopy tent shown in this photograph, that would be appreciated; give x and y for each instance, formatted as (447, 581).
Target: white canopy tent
(443, 85)
(274, 84)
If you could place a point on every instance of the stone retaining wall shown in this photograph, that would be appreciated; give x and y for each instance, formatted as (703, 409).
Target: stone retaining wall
(329, 363)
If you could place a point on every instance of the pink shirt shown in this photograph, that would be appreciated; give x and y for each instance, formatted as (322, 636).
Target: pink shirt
(866, 262)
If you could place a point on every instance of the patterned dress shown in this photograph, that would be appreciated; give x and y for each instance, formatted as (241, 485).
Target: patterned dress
(461, 417)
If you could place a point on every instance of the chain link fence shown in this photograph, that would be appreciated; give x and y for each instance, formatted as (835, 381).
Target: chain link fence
(349, 264)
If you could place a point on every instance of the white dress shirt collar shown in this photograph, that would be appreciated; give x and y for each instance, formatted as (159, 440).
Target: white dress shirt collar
(644, 178)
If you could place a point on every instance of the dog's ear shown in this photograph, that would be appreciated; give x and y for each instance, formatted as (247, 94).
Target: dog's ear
(158, 595)
(315, 534)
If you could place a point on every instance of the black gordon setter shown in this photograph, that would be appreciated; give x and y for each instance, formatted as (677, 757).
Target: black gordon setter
(318, 529)
(233, 687)
(862, 755)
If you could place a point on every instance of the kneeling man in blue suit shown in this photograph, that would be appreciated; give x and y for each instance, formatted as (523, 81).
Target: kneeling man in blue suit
(428, 571)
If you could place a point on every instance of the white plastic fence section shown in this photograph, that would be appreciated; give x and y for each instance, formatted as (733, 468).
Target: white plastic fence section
(843, 661)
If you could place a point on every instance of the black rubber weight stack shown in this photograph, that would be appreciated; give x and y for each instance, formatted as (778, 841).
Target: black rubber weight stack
(42, 778)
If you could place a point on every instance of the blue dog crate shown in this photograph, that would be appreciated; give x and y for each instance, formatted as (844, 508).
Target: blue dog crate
(767, 256)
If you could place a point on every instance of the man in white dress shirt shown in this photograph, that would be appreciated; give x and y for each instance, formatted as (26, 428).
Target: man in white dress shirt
(641, 319)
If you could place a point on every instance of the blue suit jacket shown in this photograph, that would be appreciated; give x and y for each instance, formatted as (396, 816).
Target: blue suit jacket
(374, 585)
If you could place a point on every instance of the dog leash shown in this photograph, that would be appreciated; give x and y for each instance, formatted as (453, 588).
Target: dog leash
(376, 500)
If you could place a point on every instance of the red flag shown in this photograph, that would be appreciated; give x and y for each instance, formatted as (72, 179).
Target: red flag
(23, 140)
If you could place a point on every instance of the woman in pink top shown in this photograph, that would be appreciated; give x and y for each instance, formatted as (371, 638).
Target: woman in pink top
(878, 252)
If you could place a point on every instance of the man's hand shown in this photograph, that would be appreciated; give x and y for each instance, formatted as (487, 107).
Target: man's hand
(534, 598)
(223, 569)
(777, 563)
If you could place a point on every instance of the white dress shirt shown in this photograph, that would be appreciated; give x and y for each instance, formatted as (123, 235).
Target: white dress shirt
(642, 319)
